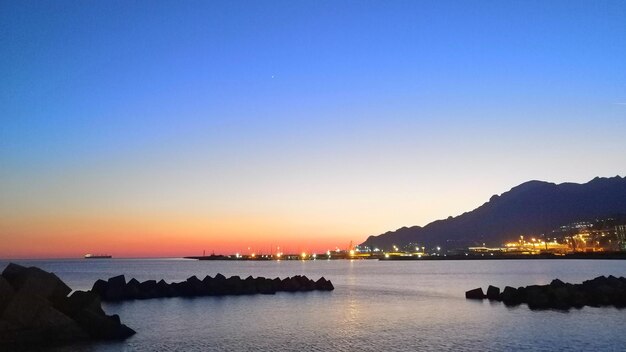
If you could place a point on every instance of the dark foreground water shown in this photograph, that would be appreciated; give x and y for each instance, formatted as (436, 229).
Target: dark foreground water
(376, 306)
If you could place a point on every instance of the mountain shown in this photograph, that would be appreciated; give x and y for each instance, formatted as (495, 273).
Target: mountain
(532, 208)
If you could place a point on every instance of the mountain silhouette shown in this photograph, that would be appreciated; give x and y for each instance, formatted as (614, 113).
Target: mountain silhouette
(532, 208)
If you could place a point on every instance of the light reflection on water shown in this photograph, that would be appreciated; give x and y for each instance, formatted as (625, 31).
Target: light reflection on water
(376, 306)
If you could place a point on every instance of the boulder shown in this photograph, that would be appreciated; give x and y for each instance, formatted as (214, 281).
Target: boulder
(324, 285)
(12, 272)
(148, 289)
(249, 286)
(493, 293)
(265, 286)
(132, 291)
(6, 293)
(476, 293)
(510, 296)
(99, 287)
(102, 326)
(23, 309)
(115, 288)
(81, 300)
(163, 289)
(36, 282)
(38, 313)
(196, 286)
(537, 297)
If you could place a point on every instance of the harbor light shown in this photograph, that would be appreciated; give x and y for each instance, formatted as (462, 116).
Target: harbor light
(352, 252)
(303, 255)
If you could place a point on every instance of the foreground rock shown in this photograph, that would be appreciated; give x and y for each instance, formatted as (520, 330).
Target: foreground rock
(598, 292)
(117, 289)
(35, 310)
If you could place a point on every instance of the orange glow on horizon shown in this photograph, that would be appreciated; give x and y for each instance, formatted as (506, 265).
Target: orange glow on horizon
(159, 236)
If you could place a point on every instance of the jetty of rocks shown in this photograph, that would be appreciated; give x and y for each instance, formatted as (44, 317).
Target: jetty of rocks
(117, 289)
(598, 292)
(35, 310)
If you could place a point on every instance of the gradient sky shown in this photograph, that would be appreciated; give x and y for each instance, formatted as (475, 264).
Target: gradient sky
(164, 128)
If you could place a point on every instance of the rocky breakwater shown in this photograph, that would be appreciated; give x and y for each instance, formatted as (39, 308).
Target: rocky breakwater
(599, 292)
(117, 289)
(35, 310)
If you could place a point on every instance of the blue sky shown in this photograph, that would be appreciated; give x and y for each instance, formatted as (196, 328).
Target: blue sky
(362, 115)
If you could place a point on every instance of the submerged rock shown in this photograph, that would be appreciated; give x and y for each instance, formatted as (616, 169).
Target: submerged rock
(36, 311)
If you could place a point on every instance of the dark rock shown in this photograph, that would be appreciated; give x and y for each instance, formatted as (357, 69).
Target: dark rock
(148, 289)
(476, 293)
(99, 287)
(23, 309)
(233, 285)
(249, 286)
(265, 286)
(196, 286)
(12, 272)
(510, 296)
(103, 327)
(557, 283)
(324, 285)
(493, 293)
(115, 288)
(6, 293)
(132, 290)
(537, 297)
(163, 289)
(81, 300)
(39, 313)
(35, 281)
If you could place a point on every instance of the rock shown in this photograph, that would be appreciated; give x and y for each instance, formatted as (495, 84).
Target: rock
(290, 284)
(598, 292)
(324, 285)
(163, 289)
(233, 285)
(132, 291)
(115, 288)
(557, 283)
(54, 325)
(103, 327)
(476, 293)
(148, 289)
(81, 300)
(99, 287)
(196, 286)
(23, 309)
(12, 272)
(249, 286)
(560, 297)
(36, 281)
(493, 293)
(510, 296)
(6, 293)
(38, 313)
(265, 286)
(537, 298)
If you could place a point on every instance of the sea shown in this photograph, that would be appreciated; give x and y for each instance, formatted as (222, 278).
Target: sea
(376, 306)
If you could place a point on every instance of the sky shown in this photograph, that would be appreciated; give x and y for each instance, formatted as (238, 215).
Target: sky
(165, 128)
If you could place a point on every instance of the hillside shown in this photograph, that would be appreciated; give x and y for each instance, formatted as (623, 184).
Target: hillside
(532, 208)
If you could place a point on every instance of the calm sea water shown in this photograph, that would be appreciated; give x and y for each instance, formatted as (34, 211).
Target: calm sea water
(376, 306)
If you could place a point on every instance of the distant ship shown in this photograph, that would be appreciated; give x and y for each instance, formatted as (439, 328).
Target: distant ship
(97, 256)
